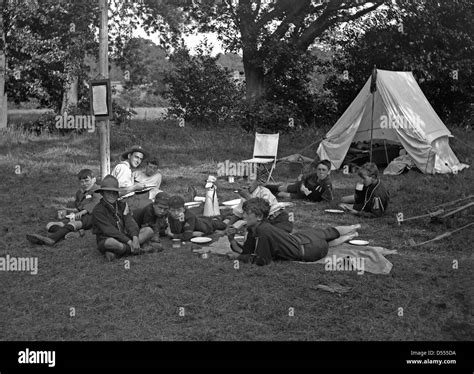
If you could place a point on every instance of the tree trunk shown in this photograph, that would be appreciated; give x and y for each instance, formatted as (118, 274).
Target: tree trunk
(3, 68)
(254, 79)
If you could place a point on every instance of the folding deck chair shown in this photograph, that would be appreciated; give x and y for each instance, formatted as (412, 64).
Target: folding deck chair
(265, 155)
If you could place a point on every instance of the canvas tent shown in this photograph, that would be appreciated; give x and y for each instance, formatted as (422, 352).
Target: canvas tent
(401, 114)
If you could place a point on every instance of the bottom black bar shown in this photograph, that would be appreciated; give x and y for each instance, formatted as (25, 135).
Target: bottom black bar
(431, 357)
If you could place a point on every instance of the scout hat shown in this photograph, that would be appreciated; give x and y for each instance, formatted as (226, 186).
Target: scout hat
(210, 181)
(176, 202)
(135, 148)
(162, 200)
(109, 183)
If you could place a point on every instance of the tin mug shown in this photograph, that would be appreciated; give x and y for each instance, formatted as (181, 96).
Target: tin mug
(176, 243)
(359, 186)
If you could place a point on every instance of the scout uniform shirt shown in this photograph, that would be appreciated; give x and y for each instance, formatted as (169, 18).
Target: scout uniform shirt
(184, 227)
(87, 200)
(372, 199)
(113, 221)
(148, 218)
(315, 190)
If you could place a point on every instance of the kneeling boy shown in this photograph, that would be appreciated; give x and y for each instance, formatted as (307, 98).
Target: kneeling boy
(266, 242)
(155, 216)
(184, 224)
(116, 231)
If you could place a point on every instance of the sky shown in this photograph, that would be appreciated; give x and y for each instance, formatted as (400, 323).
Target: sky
(191, 41)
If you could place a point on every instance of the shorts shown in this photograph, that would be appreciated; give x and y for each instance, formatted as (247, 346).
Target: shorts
(314, 242)
(101, 246)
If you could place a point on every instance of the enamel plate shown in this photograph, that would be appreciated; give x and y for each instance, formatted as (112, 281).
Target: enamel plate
(358, 242)
(231, 202)
(334, 211)
(192, 204)
(200, 198)
(201, 239)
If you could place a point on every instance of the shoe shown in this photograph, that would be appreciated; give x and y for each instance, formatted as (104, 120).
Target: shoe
(110, 256)
(50, 227)
(39, 239)
(72, 235)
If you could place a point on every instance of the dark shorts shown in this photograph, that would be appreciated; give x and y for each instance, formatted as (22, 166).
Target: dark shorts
(314, 242)
(86, 220)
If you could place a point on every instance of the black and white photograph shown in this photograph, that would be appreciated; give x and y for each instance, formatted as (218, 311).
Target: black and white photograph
(236, 183)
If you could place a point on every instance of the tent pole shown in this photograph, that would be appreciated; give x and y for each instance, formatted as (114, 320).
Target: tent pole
(386, 153)
(372, 127)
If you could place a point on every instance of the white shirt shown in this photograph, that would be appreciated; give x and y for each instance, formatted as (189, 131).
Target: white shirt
(149, 180)
(261, 192)
(124, 175)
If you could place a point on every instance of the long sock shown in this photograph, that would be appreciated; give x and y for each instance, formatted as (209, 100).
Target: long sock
(61, 233)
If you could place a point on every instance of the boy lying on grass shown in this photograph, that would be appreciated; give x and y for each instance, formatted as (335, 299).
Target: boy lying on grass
(155, 216)
(370, 198)
(184, 224)
(278, 216)
(85, 201)
(116, 231)
(315, 186)
(266, 242)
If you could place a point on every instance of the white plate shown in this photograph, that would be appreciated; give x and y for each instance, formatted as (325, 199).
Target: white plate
(338, 211)
(199, 198)
(201, 239)
(358, 242)
(192, 204)
(231, 202)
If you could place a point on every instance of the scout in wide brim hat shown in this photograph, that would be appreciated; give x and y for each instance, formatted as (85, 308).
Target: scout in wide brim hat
(109, 183)
(135, 148)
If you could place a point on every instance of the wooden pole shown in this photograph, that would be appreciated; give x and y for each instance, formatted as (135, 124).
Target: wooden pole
(3, 69)
(373, 88)
(104, 126)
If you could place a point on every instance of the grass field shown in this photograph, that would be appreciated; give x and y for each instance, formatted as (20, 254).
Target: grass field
(221, 303)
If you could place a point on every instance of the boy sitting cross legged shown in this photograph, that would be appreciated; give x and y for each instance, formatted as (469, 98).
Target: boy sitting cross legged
(184, 224)
(85, 201)
(155, 216)
(116, 231)
(266, 243)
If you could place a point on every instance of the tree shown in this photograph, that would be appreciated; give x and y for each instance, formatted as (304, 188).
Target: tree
(3, 98)
(254, 25)
(145, 62)
(200, 90)
(432, 39)
(46, 44)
